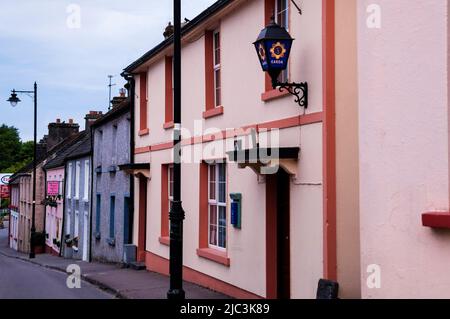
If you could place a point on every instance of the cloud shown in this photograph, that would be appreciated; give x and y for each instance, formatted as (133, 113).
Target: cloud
(71, 65)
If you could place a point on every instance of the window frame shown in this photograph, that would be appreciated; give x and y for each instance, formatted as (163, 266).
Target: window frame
(87, 172)
(217, 204)
(98, 216)
(69, 181)
(217, 67)
(112, 216)
(76, 229)
(77, 179)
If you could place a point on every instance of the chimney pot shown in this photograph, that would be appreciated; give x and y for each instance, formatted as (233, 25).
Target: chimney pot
(58, 121)
(70, 121)
(168, 31)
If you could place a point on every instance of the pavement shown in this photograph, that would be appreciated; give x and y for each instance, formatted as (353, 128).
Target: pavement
(121, 283)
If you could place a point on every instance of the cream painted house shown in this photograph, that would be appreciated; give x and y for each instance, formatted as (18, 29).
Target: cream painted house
(227, 101)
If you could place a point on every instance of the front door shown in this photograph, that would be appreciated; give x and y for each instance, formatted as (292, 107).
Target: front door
(278, 270)
(142, 218)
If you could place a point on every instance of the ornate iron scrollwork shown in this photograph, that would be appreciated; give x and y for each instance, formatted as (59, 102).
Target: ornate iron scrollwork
(299, 90)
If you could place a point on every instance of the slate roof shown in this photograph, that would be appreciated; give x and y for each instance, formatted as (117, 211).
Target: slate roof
(82, 148)
(70, 146)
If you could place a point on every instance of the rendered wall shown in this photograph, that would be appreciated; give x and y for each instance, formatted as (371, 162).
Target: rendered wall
(404, 147)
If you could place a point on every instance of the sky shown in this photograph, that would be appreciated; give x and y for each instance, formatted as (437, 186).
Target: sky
(69, 48)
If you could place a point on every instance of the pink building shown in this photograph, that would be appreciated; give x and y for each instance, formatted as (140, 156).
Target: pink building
(403, 54)
(54, 207)
(14, 216)
(297, 224)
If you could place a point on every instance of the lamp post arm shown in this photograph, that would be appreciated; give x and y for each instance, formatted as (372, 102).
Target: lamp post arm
(25, 92)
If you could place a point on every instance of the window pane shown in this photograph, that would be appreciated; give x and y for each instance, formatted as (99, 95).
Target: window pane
(282, 13)
(222, 216)
(222, 237)
(222, 183)
(213, 235)
(213, 215)
(217, 48)
(212, 182)
(218, 87)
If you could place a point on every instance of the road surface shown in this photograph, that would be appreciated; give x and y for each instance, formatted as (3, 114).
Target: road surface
(23, 280)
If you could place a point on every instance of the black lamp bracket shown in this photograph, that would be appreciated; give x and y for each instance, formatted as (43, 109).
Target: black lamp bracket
(299, 90)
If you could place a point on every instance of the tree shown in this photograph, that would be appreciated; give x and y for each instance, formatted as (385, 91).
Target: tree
(10, 146)
(13, 153)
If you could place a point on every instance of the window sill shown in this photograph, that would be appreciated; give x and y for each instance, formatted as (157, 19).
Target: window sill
(165, 240)
(437, 220)
(213, 112)
(144, 132)
(214, 255)
(273, 95)
(169, 125)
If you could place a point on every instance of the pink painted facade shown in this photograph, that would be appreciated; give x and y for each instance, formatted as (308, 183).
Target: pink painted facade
(14, 216)
(245, 267)
(403, 147)
(54, 209)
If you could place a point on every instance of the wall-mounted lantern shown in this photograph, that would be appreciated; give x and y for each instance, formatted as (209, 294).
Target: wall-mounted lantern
(273, 47)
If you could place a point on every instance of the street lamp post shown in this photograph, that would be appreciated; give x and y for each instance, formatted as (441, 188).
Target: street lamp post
(14, 100)
(176, 215)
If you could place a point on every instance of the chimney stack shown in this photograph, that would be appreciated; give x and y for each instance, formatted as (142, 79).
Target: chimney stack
(119, 99)
(59, 131)
(91, 117)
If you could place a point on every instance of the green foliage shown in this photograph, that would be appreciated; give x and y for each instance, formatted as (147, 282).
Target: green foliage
(4, 203)
(13, 153)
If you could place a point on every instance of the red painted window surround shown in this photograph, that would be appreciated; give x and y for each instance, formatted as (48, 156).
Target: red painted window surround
(164, 204)
(168, 120)
(204, 251)
(210, 105)
(436, 220)
(143, 104)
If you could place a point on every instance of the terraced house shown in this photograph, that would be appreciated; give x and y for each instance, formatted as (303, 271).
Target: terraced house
(270, 230)
(76, 228)
(111, 206)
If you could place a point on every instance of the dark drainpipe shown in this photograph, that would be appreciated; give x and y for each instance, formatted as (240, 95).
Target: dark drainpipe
(132, 93)
(91, 192)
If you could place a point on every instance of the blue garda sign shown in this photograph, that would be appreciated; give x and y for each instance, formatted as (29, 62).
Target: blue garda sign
(278, 53)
